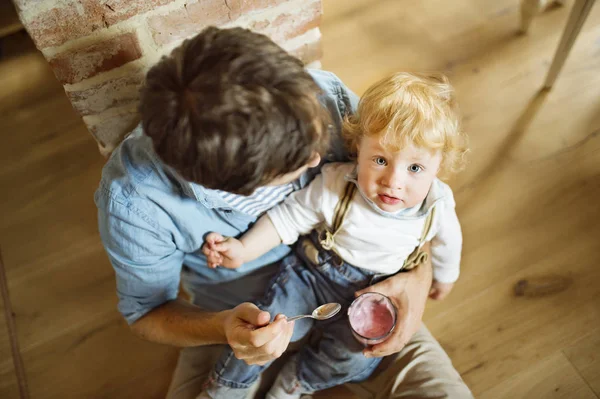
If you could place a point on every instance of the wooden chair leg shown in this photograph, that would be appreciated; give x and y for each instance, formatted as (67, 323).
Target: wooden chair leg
(577, 17)
(529, 9)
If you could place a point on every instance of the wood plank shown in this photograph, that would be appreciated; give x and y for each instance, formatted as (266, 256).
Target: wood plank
(99, 359)
(47, 137)
(368, 40)
(522, 143)
(9, 20)
(528, 162)
(25, 77)
(44, 215)
(553, 377)
(495, 335)
(584, 355)
(50, 229)
(9, 386)
(64, 298)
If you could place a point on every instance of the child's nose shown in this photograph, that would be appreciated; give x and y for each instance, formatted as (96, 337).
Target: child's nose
(394, 180)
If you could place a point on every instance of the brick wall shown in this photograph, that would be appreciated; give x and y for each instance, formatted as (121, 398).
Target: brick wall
(100, 50)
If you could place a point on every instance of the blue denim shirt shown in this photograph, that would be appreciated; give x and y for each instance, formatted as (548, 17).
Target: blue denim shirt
(152, 222)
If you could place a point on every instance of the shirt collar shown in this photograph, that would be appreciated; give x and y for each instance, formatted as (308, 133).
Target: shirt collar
(207, 197)
(212, 199)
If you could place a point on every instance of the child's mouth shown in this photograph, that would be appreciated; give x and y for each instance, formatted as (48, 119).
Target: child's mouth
(386, 199)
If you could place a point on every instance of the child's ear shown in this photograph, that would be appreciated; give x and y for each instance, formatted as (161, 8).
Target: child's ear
(355, 150)
(353, 154)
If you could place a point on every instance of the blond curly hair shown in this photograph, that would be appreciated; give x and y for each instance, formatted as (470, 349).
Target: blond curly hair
(411, 108)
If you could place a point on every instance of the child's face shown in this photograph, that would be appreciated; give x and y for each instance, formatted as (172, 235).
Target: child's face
(395, 180)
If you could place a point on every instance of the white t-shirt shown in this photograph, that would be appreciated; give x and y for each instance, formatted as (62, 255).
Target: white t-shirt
(370, 238)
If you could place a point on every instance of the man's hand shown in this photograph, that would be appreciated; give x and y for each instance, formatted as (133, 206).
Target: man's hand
(251, 336)
(408, 292)
(439, 290)
(224, 251)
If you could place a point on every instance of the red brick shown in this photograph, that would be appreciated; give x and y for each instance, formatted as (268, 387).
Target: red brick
(186, 22)
(63, 23)
(289, 25)
(74, 66)
(239, 7)
(112, 93)
(120, 10)
(308, 52)
(72, 19)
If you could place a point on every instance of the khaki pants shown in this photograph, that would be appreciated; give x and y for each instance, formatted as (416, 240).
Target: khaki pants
(421, 370)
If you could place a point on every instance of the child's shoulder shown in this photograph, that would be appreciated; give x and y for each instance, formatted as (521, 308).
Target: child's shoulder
(442, 192)
(334, 175)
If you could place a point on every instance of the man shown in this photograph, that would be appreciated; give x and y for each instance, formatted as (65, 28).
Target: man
(232, 124)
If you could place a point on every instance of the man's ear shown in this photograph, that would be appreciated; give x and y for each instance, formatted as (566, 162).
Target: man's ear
(314, 160)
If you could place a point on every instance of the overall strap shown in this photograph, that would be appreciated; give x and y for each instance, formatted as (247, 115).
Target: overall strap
(339, 214)
(419, 256)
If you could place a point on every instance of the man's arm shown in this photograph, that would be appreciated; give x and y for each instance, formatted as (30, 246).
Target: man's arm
(180, 323)
(147, 265)
(245, 328)
(408, 291)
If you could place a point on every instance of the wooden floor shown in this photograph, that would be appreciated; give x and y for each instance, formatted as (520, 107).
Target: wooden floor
(529, 206)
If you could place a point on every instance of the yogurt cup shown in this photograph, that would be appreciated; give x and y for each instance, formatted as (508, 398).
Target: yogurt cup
(372, 318)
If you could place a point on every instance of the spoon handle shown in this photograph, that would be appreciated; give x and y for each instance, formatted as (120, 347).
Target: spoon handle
(297, 317)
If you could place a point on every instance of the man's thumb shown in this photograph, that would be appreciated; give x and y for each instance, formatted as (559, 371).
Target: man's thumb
(372, 288)
(251, 314)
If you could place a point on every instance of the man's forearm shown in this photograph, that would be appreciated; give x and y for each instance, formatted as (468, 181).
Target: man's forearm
(420, 277)
(180, 323)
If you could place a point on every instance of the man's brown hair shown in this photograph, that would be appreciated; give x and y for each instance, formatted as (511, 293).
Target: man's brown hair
(231, 110)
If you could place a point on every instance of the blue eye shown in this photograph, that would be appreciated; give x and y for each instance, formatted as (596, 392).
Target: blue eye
(380, 161)
(414, 168)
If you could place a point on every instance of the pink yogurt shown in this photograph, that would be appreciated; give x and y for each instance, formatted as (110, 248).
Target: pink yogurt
(372, 318)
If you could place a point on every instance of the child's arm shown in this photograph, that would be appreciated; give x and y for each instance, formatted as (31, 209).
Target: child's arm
(446, 249)
(231, 253)
(298, 214)
(302, 211)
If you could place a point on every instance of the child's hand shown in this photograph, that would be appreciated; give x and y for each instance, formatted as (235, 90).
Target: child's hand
(439, 290)
(223, 251)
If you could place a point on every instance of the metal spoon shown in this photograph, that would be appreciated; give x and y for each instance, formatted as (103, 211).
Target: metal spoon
(323, 312)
